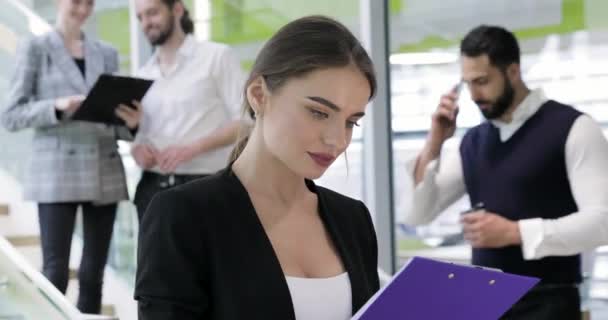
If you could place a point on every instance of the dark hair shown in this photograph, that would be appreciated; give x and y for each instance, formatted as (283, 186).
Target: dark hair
(303, 46)
(186, 22)
(498, 43)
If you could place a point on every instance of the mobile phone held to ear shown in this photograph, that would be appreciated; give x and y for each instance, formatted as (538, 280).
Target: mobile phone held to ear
(458, 89)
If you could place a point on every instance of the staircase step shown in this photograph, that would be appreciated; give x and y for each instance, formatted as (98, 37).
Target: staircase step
(4, 209)
(24, 240)
(108, 310)
(73, 274)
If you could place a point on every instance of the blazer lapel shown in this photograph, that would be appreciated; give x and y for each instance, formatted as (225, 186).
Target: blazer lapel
(329, 212)
(264, 264)
(94, 62)
(62, 58)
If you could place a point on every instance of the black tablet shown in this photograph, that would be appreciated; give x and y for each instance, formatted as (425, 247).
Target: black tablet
(108, 92)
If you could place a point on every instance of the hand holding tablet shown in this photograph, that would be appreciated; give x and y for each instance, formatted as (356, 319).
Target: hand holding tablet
(107, 100)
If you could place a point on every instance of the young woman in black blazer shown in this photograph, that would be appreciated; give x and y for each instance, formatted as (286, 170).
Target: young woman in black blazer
(259, 240)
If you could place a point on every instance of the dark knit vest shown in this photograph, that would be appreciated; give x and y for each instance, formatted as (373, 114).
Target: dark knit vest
(521, 178)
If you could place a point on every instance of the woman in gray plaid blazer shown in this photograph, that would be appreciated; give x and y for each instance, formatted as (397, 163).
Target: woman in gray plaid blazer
(73, 164)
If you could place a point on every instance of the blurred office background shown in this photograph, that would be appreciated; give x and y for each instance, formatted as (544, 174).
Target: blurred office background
(415, 47)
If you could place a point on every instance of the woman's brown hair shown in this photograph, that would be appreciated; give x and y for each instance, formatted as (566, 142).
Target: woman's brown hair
(300, 47)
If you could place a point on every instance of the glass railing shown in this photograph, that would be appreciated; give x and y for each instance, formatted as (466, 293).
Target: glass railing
(25, 294)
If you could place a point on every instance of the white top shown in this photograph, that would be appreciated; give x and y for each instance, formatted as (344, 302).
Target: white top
(321, 298)
(587, 169)
(201, 93)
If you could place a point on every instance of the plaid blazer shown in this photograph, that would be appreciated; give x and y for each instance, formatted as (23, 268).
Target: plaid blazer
(71, 160)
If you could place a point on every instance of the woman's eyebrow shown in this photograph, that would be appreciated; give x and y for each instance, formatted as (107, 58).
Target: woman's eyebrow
(325, 102)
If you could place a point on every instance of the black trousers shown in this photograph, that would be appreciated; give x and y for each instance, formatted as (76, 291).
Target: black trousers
(152, 183)
(56, 228)
(547, 303)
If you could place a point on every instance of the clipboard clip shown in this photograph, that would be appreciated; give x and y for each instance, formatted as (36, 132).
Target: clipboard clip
(477, 267)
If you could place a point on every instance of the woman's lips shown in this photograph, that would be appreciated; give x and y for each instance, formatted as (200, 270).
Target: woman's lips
(322, 159)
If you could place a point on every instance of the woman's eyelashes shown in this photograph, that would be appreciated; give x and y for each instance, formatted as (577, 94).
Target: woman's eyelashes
(351, 124)
(320, 115)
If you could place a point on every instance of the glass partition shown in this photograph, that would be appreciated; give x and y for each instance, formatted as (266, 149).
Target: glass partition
(16, 22)
(563, 44)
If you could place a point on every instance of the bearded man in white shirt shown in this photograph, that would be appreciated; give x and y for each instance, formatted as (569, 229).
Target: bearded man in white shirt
(537, 169)
(191, 113)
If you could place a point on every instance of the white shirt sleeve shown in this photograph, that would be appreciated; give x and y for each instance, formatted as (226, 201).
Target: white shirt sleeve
(231, 81)
(142, 130)
(442, 185)
(587, 166)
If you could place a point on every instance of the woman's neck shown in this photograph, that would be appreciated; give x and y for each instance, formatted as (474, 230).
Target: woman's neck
(70, 33)
(72, 39)
(263, 174)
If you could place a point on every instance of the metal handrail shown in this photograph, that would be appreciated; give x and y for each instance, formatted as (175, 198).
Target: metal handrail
(37, 24)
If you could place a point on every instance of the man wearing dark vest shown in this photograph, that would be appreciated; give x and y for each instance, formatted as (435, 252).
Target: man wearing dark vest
(539, 167)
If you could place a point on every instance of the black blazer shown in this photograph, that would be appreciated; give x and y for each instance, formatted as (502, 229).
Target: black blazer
(203, 253)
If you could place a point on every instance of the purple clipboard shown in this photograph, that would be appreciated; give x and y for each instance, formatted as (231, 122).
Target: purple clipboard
(433, 290)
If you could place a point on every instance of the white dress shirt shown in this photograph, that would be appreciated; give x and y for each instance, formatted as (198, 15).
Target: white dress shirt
(199, 94)
(587, 169)
(321, 298)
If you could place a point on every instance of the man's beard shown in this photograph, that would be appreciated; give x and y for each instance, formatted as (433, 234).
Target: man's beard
(164, 34)
(502, 103)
